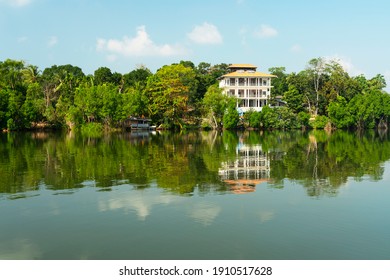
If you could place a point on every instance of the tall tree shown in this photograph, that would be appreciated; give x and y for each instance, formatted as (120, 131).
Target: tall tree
(279, 84)
(378, 82)
(30, 74)
(136, 78)
(317, 68)
(135, 102)
(102, 75)
(169, 90)
(215, 104)
(301, 82)
(59, 84)
(11, 74)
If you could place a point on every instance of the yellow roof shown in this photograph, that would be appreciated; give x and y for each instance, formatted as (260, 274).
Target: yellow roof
(242, 66)
(249, 74)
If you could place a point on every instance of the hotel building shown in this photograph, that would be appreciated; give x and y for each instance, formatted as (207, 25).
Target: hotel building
(252, 88)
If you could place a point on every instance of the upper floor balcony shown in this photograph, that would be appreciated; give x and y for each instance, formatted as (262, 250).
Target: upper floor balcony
(247, 82)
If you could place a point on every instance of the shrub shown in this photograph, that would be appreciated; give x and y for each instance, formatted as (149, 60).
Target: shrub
(231, 118)
(11, 124)
(319, 122)
(303, 119)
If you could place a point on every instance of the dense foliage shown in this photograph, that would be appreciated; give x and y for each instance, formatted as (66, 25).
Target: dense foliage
(184, 95)
(187, 162)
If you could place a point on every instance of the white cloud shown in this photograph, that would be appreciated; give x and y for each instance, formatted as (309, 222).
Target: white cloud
(206, 34)
(140, 45)
(296, 48)
(17, 3)
(346, 63)
(266, 31)
(53, 40)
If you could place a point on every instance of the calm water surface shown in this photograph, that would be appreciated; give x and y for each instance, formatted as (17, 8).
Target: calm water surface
(203, 195)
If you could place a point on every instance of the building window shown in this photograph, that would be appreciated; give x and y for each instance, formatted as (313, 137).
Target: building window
(253, 82)
(232, 81)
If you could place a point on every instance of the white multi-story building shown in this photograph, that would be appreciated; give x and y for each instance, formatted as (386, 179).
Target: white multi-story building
(252, 88)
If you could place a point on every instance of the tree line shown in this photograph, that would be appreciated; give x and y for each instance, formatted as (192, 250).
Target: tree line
(183, 95)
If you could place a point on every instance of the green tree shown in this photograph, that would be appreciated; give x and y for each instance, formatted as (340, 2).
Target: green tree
(280, 85)
(15, 102)
(11, 75)
(303, 119)
(88, 103)
(59, 84)
(302, 83)
(252, 118)
(294, 99)
(370, 109)
(377, 83)
(317, 69)
(31, 74)
(136, 78)
(279, 118)
(339, 114)
(338, 84)
(34, 105)
(215, 104)
(110, 111)
(205, 77)
(231, 116)
(168, 91)
(102, 75)
(135, 102)
(3, 108)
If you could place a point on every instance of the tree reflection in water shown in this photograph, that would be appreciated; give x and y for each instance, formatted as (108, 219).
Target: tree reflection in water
(184, 163)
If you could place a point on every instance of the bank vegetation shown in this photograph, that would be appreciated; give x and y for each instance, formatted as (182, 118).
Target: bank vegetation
(183, 95)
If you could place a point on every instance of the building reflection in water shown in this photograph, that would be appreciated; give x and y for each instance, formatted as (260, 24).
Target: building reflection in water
(250, 168)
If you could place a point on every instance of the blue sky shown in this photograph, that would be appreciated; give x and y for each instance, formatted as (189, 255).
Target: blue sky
(124, 34)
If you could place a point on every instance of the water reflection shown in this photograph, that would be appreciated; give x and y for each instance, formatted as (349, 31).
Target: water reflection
(169, 196)
(205, 212)
(266, 215)
(139, 202)
(250, 167)
(203, 162)
(19, 249)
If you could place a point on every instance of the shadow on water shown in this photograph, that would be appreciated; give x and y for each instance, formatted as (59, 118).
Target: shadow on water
(184, 163)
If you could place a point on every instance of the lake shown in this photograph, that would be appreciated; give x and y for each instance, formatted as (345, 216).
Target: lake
(197, 195)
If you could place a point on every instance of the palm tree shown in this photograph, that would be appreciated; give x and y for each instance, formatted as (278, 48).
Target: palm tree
(30, 74)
